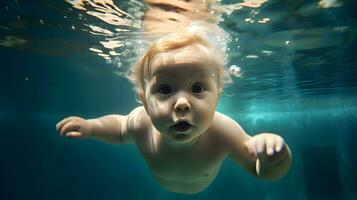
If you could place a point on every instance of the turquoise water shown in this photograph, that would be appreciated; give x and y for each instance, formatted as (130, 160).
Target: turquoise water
(299, 80)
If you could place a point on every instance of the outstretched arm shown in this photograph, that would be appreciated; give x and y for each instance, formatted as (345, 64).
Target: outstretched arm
(265, 155)
(109, 128)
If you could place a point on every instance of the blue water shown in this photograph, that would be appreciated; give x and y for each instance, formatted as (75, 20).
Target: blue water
(305, 90)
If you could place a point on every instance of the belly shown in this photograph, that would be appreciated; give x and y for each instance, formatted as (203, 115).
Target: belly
(188, 182)
(186, 187)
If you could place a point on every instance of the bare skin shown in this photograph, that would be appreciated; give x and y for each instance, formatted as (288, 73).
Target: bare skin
(178, 130)
(185, 169)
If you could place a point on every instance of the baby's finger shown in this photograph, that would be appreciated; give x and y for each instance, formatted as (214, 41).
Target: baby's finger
(279, 144)
(60, 124)
(73, 134)
(70, 126)
(270, 143)
(260, 145)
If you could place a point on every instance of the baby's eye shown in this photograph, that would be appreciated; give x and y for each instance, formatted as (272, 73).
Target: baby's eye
(165, 89)
(197, 88)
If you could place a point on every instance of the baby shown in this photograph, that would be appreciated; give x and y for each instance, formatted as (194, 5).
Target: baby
(178, 130)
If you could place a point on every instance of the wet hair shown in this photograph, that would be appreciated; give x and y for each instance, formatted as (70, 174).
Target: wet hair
(173, 41)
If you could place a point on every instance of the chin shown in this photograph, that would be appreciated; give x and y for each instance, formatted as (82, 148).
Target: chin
(182, 138)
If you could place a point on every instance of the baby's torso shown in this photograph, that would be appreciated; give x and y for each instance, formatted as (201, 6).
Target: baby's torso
(182, 170)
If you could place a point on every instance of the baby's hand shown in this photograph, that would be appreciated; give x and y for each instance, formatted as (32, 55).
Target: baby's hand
(74, 127)
(266, 147)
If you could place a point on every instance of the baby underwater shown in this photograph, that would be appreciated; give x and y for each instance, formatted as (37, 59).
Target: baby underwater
(177, 129)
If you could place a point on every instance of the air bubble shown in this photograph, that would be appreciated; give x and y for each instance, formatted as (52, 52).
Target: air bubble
(236, 71)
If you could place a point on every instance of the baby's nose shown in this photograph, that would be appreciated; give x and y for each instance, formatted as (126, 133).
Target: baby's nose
(182, 104)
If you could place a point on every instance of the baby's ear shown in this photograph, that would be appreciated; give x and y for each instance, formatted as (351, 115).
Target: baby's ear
(141, 96)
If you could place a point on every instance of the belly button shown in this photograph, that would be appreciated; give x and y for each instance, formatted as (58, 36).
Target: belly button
(205, 175)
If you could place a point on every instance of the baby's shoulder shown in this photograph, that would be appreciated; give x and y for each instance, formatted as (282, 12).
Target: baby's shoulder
(221, 120)
(138, 120)
(224, 125)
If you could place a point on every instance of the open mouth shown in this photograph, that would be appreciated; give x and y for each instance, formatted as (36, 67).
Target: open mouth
(182, 126)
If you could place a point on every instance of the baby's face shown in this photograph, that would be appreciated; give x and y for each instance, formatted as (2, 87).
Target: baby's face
(181, 93)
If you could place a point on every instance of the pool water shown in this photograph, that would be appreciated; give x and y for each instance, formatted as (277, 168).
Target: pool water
(298, 79)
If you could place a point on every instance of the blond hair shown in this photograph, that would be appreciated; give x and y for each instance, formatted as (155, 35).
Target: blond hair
(168, 43)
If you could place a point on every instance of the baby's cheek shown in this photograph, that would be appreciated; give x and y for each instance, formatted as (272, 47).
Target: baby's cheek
(157, 108)
(158, 114)
(205, 111)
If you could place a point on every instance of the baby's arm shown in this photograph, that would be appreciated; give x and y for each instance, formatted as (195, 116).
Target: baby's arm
(265, 155)
(109, 128)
